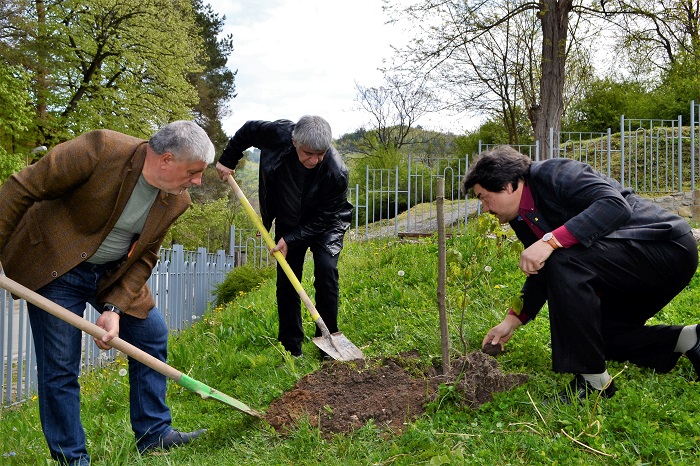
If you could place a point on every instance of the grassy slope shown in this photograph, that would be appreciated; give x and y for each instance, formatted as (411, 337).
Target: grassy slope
(653, 419)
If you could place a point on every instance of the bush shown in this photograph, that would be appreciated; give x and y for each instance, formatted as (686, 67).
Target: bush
(240, 280)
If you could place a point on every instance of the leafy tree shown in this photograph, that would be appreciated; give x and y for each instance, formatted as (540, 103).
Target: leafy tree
(202, 225)
(120, 64)
(215, 84)
(653, 35)
(605, 101)
(679, 85)
(491, 132)
(15, 117)
(482, 52)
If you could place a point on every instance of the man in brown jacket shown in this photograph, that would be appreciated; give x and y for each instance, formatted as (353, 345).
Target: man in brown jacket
(84, 225)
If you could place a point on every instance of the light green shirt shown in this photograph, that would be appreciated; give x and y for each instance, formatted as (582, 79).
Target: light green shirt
(130, 224)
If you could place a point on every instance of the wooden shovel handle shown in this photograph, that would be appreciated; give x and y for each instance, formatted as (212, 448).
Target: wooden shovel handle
(278, 255)
(88, 327)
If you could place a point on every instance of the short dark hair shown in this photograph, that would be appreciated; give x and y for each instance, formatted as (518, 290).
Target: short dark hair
(497, 168)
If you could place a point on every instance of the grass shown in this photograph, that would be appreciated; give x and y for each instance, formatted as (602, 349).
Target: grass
(653, 419)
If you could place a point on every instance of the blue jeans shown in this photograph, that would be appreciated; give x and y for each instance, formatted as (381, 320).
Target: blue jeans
(58, 351)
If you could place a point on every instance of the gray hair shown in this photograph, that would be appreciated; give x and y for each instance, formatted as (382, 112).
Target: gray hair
(314, 132)
(186, 140)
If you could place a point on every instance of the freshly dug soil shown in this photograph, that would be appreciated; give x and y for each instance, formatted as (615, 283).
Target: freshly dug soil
(491, 349)
(343, 396)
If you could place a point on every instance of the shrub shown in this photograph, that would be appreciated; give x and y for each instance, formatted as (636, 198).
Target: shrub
(240, 280)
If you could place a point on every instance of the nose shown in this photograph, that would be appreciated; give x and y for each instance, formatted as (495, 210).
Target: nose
(197, 179)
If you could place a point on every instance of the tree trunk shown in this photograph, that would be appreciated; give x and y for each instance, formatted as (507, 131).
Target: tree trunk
(554, 16)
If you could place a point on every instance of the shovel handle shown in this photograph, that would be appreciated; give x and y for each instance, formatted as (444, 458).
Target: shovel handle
(88, 327)
(127, 348)
(278, 255)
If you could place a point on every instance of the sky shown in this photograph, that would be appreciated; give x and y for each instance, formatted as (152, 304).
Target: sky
(298, 57)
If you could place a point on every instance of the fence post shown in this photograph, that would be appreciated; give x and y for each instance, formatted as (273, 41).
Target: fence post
(201, 282)
(680, 153)
(176, 273)
(692, 147)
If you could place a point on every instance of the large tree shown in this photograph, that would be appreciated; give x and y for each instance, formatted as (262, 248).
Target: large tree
(215, 83)
(653, 34)
(450, 36)
(118, 64)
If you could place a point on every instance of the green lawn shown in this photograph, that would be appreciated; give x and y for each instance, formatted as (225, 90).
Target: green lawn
(653, 418)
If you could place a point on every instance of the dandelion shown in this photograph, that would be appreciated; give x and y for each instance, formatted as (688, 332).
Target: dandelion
(487, 269)
(122, 372)
(401, 273)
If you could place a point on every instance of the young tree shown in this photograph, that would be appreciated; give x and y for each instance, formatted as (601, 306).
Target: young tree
(395, 108)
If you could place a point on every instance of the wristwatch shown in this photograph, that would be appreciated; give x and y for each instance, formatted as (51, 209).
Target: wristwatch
(113, 308)
(549, 238)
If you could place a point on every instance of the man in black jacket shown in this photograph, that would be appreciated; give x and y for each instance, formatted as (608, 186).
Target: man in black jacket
(303, 185)
(604, 259)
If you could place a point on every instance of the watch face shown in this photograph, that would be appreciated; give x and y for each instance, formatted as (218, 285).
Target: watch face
(547, 236)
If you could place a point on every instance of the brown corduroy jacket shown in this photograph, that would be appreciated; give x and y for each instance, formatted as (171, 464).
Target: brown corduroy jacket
(55, 213)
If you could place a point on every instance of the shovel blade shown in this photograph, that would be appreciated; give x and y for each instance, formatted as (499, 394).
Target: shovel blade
(337, 346)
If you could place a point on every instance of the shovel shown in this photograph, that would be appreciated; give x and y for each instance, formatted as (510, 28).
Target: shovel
(127, 348)
(335, 345)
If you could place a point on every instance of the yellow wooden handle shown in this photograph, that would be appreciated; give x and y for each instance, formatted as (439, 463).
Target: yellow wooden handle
(278, 255)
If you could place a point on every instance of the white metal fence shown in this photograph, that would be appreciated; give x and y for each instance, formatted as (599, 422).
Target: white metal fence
(651, 156)
(182, 284)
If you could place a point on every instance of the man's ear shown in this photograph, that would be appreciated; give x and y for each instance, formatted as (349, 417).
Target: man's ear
(166, 158)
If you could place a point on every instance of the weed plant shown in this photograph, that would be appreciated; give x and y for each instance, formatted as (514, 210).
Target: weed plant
(388, 306)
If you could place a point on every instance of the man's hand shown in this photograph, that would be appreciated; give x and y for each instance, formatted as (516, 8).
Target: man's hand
(223, 171)
(109, 321)
(532, 259)
(502, 332)
(281, 247)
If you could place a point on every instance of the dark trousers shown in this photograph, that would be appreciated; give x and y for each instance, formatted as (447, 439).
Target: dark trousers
(291, 333)
(601, 297)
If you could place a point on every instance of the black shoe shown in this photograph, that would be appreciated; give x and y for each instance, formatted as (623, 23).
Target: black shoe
(579, 389)
(324, 356)
(694, 353)
(83, 461)
(173, 439)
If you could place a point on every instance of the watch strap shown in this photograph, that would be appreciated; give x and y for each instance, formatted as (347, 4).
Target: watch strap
(113, 308)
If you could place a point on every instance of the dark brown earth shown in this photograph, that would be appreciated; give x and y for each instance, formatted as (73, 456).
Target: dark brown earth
(343, 396)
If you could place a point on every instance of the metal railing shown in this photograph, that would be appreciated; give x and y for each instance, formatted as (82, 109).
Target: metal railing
(182, 284)
(651, 156)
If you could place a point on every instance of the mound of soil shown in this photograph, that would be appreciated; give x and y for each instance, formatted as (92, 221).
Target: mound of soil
(343, 396)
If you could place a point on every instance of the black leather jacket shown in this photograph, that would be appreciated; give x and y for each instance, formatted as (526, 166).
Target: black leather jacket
(325, 212)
